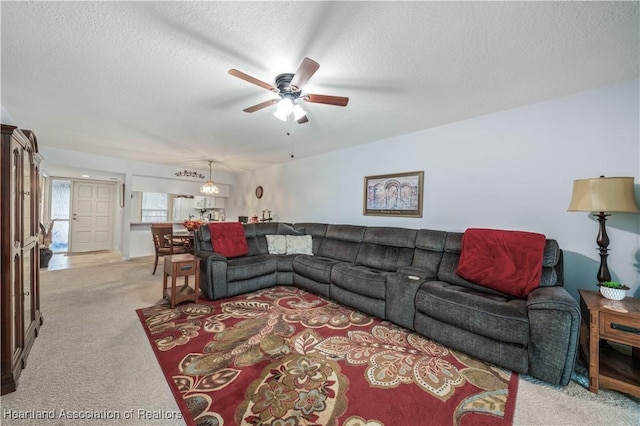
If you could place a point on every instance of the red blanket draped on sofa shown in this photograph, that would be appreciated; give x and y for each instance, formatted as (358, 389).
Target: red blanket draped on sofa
(506, 261)
(228, 239)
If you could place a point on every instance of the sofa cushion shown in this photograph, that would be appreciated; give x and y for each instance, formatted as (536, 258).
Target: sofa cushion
(265, 228)
(389, 236)
(386, 248)
(256, 245)
(551, 264)
(552, 254)
(549, 277)
(228, 239)
(429, 239)
(507, 355)
(316, 230)
(316, 268)
(299, 244)
(247, 267)
(202, 239)
(500, 318)
(447, 272)
(342, 242)
(277, 244)
(362, 303)
(385, 258)
(428, 253)
(400, 299)
(507, 261)
(284, 263)
(360, 279)
(286, 229)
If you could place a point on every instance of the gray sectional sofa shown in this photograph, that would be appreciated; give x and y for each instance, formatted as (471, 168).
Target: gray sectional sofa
(408, 276)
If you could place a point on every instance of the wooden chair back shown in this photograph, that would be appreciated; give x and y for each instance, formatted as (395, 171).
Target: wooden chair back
(162, 234)
(164, 242)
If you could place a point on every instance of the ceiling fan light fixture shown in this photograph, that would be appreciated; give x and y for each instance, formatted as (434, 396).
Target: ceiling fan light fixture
(285, 107)
(210, 187)
(280, 115)
(289, 87)
(298, 112)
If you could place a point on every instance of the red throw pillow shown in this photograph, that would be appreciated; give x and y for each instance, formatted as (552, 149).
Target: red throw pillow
(228, 239)
(506, 261)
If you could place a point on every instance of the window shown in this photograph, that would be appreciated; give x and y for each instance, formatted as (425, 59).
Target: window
(155, 207)
(60, 208)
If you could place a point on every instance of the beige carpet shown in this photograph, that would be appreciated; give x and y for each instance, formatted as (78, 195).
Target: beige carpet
(92, 359)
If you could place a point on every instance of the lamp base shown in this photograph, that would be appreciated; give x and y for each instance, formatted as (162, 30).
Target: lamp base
(603, 244)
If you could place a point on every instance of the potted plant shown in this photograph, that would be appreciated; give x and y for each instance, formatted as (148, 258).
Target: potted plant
(46, 236)
(613, 290)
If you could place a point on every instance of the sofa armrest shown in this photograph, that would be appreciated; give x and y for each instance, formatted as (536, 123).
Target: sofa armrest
(213, 274)
(415, 272)
(205, 255)
(554, 321)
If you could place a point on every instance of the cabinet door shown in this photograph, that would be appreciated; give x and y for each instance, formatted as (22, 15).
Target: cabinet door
(17, 338)
(28, 230)
(28, 257)
(199, 202)
(29, 236)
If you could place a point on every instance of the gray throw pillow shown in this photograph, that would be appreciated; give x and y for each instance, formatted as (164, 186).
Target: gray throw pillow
(284, 229)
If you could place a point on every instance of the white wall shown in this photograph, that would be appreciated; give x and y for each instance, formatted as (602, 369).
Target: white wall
(509, 170)
(137, 176)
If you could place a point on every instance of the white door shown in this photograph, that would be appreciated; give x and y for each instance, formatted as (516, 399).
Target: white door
(92, 216)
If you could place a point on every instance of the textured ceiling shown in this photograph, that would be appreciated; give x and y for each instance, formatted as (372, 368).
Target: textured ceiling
(148, 81)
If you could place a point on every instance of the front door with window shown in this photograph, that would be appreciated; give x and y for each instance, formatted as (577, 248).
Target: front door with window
(92, 216)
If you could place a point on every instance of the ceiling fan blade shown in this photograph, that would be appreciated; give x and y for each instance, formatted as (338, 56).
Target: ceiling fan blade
(246, 77)
(326, 99)
(261, 105)
(303, 120)
(307, 68)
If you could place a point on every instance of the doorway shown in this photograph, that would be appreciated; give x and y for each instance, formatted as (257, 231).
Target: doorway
(84, 215)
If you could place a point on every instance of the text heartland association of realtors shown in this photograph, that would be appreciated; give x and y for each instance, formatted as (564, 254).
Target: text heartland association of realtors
(62, 414)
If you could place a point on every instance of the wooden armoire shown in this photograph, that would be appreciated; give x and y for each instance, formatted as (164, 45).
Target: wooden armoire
(19, 261)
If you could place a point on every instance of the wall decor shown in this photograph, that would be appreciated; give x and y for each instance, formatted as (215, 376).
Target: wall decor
(188, 173)
(397, 194)
(259, 192)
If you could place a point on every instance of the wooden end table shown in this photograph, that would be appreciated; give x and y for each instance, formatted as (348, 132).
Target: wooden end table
(181, 265)
(604, 319)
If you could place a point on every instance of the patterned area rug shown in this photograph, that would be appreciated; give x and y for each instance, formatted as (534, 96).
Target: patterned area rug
(283, 356)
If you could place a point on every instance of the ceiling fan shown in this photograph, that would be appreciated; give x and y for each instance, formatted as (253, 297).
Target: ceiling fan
(289, 89)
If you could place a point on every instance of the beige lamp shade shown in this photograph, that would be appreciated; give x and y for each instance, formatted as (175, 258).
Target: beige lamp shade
(604, 194)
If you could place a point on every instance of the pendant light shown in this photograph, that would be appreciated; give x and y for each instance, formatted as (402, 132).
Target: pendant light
(210, 187)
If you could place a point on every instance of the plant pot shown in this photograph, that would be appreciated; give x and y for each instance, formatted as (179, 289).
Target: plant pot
(613, 293)
(45, 256)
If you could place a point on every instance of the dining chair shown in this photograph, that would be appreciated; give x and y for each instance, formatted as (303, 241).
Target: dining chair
(164, 242)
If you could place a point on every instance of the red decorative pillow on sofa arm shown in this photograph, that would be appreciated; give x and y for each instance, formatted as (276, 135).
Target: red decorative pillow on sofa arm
(228, 239)
(506, 261)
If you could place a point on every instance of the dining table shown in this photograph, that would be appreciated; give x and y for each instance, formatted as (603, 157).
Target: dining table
(182, 238)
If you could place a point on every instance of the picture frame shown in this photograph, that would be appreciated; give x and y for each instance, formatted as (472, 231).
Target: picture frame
(396, 194)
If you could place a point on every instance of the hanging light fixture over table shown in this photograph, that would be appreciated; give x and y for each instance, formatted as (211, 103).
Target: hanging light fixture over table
(210, 187)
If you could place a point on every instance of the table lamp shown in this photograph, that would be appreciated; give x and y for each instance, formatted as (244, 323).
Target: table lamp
(602, 195)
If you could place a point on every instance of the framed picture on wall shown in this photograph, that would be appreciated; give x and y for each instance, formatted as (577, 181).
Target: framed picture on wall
(398, 194)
